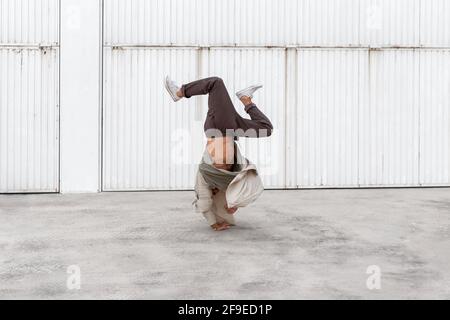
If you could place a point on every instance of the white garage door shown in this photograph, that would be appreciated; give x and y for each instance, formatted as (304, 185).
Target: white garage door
(345, 114)
(147, 140)
(29, 59)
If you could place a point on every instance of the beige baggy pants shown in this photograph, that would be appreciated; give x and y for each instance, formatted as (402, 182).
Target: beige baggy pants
(211, 206)
(219, 211)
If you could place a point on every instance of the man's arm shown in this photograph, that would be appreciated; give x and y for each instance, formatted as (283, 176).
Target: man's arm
(204, 201)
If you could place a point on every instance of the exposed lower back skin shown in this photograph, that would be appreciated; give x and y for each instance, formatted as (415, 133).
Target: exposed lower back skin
(222, 152)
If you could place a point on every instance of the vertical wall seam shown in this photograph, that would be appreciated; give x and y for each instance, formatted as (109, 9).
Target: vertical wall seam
(101, 97)
(358, 146)
(59, 97)
(296, 99)
(286, 92)
(419, 159)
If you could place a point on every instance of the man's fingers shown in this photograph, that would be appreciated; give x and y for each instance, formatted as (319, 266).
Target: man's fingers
(220, 227)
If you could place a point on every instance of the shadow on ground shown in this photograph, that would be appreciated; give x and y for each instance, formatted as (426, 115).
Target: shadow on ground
(289, 245)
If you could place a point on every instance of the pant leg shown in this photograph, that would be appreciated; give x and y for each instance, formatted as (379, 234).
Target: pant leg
(219, 101)
(259, 126)
(221, 112)
(222, 115)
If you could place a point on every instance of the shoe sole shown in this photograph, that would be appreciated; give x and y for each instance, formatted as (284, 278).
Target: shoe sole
(239, 93)
(175, 99)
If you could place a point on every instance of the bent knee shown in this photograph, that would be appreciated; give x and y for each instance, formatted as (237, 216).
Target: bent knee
(266, 132)
(217, 79)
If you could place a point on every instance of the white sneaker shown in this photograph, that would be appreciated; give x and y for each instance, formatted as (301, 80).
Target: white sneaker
(248, 92)
(172, 89)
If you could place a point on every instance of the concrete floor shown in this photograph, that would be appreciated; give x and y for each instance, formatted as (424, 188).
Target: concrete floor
(289, 245)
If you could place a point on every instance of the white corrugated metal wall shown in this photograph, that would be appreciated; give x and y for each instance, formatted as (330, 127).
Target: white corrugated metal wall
(29, 98)
(143, 131)
(328, 101)
(358, 90)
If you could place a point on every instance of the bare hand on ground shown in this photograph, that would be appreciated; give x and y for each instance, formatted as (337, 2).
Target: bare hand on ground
(220, 226)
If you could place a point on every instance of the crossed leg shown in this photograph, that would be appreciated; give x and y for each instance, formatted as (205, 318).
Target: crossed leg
(222, 116)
